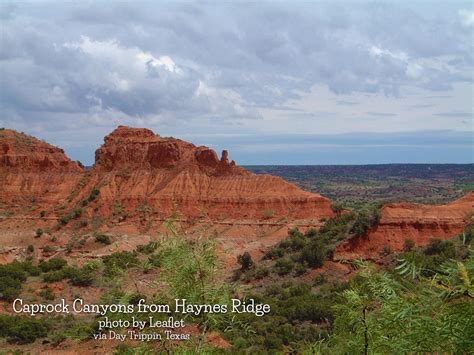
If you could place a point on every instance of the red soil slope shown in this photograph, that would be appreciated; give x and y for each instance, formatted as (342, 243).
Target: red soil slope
(33, 173)
(402, 221)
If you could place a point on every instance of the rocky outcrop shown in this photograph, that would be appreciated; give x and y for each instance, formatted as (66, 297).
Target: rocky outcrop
(33, 173)
(23, 153)
(142, 176)
(129, 148)
(403, 221)
(140, 171)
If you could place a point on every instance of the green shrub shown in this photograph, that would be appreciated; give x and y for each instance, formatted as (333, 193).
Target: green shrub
(261, 272)
(30, 248)
(147, 248)
(319, 280)
(39, 233)
(297, 242)
(10, 288)
(311, 233)
(428, 265)
(12, 276)
(55, 276)
(300, 269)
(22, 329)
(294, 232)
(47, 294)
(240, 343)
(248, 275)
(314, 254)
(155, 260)
(283, 266)
(273, 342)
(93, 195)
(284, 244)
(336, 228)
(386, 250)
(274, 253)
(81, 276)
(48, 249)
(74, 214)
(337, 208)
(245, 261)
(237, 274)
(119, 260)
(52, 264)
(63, 220)
(77, 276)
(408, 245)
(102, 238)
(78, 331)
(364, 220)
(294, 308)
(268, 213)
(70, 244)
(30, 269)
(439, 247)
(147, 266)
(15, 270)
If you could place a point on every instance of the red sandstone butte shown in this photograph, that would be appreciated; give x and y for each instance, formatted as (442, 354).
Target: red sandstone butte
(138, 171)
(33, 173)
(403, 221)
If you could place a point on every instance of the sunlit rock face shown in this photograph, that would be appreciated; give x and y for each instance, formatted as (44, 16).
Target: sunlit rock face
(137, 169)
(419, 223)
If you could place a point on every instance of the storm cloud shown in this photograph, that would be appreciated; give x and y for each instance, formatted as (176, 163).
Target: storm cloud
(78, 69)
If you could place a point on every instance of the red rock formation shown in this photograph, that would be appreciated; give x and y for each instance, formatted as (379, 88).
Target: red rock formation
(402, 221)
(33, 173)
(140, 171)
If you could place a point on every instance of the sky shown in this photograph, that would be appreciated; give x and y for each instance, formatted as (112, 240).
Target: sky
(284, 82)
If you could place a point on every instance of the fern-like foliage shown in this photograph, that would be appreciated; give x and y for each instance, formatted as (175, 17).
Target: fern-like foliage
(190, 270)
(382, 313)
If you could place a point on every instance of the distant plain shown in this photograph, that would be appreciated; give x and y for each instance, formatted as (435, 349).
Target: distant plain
(357, 185)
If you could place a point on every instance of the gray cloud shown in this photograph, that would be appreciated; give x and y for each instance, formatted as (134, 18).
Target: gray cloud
(421, 106)
(454, 114)
(346, 103)
(381, 114)
(65, 66)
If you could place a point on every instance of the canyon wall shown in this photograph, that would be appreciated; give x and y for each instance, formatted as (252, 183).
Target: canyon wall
(136, 170)
(403, 221)
(33, 174)
(138, 174)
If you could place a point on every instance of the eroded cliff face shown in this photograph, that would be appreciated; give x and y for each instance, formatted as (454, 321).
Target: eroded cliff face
(141, 177)
(127, 148)
(403, 221)
(33, 173)
(138, 171)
